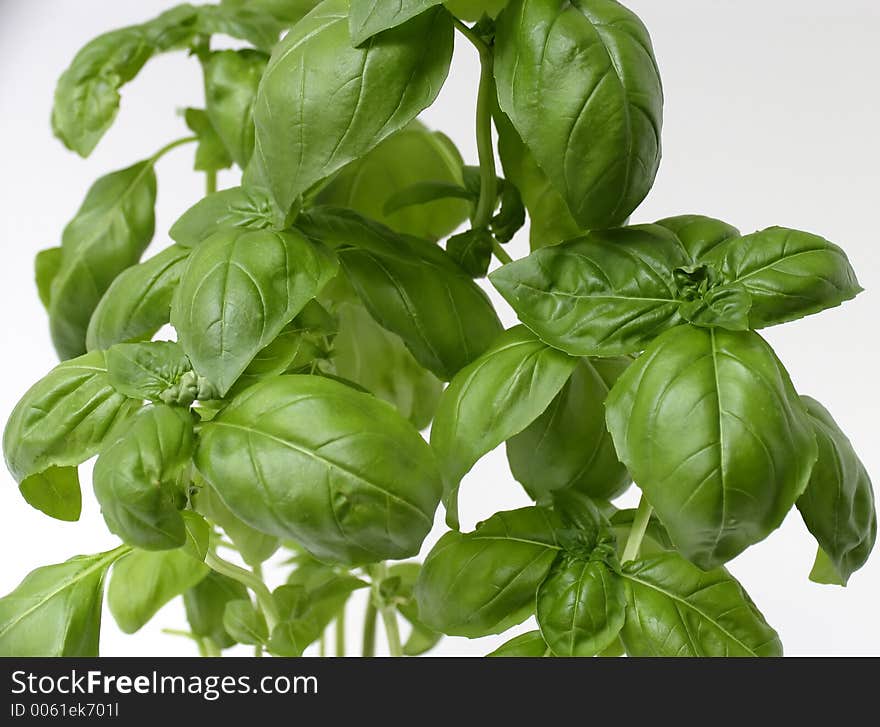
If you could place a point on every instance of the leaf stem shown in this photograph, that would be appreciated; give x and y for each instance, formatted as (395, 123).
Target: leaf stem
(173, 145)
(468, 33)
(637, 530)
(500, 252)
(340, 632)
(249, 580)
(369, 645)
(392, 632)
(211, 181)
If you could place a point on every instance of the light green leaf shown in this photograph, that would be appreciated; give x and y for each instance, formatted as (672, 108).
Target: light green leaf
(47, 263)
(54, 491)
(244, 623)
(205, 603)
(529, 644)
(369, 17)
(233, 207)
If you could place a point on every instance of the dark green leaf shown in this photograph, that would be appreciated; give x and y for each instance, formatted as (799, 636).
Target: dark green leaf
(699, 235)
(579, 82)
(238, 291)
(675, 609)
(211, 154)
(494, 398)
(472, 250)
(838, 504)
(529, 644)
(475, 9)
(365, 486)
(711, 429)
(568, 446)
(46, 266)
(244, 623)
(54, 491)
(322, 103)
(512, 215)
(205, 603)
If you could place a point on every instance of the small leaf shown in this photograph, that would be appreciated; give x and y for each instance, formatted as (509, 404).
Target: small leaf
(54, 491)
(205, 604)
(233, 207)
(47, 263)
(529, 644)
(146, 370)
(211, 154)
(369, 17)
(244, 623)
(472, 250)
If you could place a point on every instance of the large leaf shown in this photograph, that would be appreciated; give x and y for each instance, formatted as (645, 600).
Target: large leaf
(580, 84)
(322, 103)
(838, 504)
(238, 291)
(403, 161)
(61, 421)
(788, 274)
(56, 610)
(484, 582)
(709, 425)
(568, 446)
(109, 233)
(491, 400)
(369, 17)
(138, 302)
(141, 478)
(605, 294)
(412, 288)
(581, 607)
(334, 469)
(675, 609)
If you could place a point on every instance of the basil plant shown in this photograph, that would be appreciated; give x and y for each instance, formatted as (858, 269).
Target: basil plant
(327, 311)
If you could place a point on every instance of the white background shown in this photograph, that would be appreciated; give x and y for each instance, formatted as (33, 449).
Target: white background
(772, 117)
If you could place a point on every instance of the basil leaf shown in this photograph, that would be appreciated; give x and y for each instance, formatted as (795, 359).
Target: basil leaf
(231, 79)
(550, 220)
(356, 98)
(146, 370)
(369, 17)
(370, 356)
(411, 288)
(144, 581)
(211, 154)
(580, 84)
(530, 643)
(472, 250)
(141, 478)
(366, 487)
(788, 274)
(568, 446)
(699, 235)
(233, 207)
(492, 399)
(245, 22)
(473, 10)
(605, 294)
(109, 233)
(407, 161)
(581, 607)
(675, 609)
(138, 302)
(47, 263)
(54, 491)
(484, 582)
(285, 12)
(711, 429)
(205, 603)
(244, 623)
(63, 420)
(272, 274)
(56, 609)
(838, 504)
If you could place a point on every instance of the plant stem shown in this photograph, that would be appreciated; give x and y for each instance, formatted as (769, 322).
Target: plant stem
(500, 252)
(340, 633)
(249, 580)
(637, 530)
(173, 145)
(369, 646)
(389, 618)
(323, 644)
(211, 181)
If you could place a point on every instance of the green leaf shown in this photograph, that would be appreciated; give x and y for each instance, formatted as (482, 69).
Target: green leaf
(675, 609)
(141, 478)
(366, 484)
(211, 154)
(322, 103)
(581, 607)
(568, 446)
(473, 10)
(699, 235)
(550, 220)
(529, 644)
(472, 250)
(369, 17)
(63, 420)
(605, 294)
(421, 640)
(494, 398)
(370, 356)
(54, 491)
(46, 266)
(286, 12)
(233, 207)
(109, 233)
(138, 302)
(838, 504)
(56, 609)
(248, 23)
(710, 426)
(244, 623)
(412, 288)
(146, 370)
(205, 603)
(580, 84)
(414, 166)
(787, 273)
(253, 546)
(825, 571)
(144, 581)
(231, 79)
(238, 291)
(484, 582)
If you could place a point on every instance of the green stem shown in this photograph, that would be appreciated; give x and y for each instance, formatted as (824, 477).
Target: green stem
(500, 252)
(369, 645)
(249, 580)
(340, 633)
(637, 530)
(392, 632)
(173, 145)
(211, 649)
(322, 650)
(211, 181)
